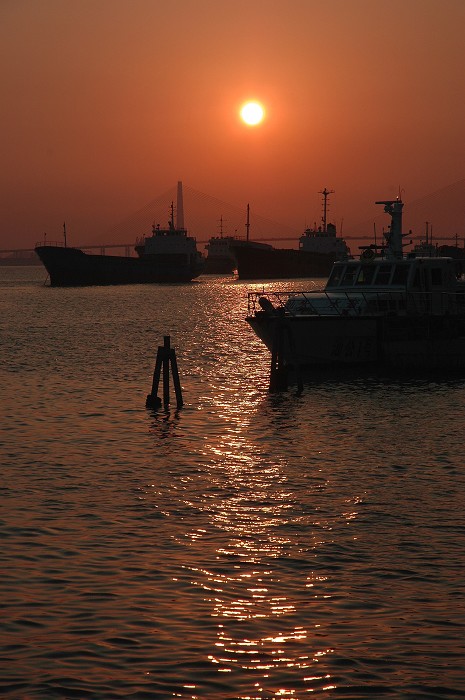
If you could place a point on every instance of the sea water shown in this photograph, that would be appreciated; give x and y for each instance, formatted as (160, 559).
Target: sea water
(245, 546)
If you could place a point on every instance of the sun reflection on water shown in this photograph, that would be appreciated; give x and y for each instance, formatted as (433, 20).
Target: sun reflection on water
(258, 628)
(262, 533)
(262, 515)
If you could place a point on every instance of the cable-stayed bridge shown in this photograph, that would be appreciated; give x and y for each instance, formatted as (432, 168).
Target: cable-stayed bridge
(207, 216)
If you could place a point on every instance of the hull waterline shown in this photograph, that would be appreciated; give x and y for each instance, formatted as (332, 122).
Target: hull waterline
(323, 342)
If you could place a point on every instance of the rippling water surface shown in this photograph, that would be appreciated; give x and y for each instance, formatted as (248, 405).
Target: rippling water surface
(246, 546)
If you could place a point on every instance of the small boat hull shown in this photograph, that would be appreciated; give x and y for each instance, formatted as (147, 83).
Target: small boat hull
(425, 342)
(319, 341)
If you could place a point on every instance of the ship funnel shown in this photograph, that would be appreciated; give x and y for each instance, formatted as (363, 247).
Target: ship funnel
(179, 208)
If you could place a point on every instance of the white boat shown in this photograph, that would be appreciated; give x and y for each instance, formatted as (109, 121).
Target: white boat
(383, 309)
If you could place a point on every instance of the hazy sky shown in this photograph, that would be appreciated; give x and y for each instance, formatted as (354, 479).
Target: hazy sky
(105, 104)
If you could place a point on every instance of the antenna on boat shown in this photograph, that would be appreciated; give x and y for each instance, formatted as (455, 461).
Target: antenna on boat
(394, 237)
(64, 233)
(325, 194)
(247, 223)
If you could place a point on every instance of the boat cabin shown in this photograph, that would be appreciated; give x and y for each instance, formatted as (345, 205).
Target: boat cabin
(386, 282)
(412, 274)
(384, 309)
(385, 286)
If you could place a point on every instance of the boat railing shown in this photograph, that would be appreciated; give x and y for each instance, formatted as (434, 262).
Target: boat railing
(56, 244)
(356, 303)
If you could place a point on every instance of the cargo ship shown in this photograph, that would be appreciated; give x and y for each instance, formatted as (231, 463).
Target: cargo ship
(221, 250)
(319, 248)
(167, 255)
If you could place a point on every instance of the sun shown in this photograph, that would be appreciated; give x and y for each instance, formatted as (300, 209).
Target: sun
(252, 113)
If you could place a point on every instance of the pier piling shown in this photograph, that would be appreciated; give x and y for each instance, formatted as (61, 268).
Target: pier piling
(166, 358)
(279, 373)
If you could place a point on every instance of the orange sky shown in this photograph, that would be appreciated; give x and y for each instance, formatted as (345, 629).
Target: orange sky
(108, 103)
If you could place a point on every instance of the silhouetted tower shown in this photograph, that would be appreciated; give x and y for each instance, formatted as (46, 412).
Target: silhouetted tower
(394, 237)
(325, 194)
(221, 226)
(179, 208)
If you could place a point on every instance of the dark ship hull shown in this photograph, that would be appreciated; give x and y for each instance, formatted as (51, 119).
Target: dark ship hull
(219, 265)
(71, 267)
(280, 263)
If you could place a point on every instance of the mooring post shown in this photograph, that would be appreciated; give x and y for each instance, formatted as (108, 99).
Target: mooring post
(278, 372)
(293, 355)
(153, 401)
(166, 370)
(166, 356)
(176, 382)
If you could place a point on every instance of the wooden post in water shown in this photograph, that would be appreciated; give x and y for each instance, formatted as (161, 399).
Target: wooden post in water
(279, 373)
(166, 356)
(166, 370)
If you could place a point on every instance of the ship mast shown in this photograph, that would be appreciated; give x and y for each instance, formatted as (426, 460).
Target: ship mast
(394, 207)
(247, 223)
(325, 194)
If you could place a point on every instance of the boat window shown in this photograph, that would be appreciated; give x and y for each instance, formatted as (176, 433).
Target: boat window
(365, 274)
(384, 274)
(436, 276)
(400, 274)
(335, 276)
(349, 276)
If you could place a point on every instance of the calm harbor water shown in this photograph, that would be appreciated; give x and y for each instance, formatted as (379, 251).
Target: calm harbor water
(248, 546)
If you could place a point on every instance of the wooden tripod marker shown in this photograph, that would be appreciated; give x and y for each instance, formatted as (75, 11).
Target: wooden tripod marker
(165, 356)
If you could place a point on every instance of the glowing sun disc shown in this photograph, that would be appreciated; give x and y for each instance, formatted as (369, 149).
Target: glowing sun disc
(252, 113)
